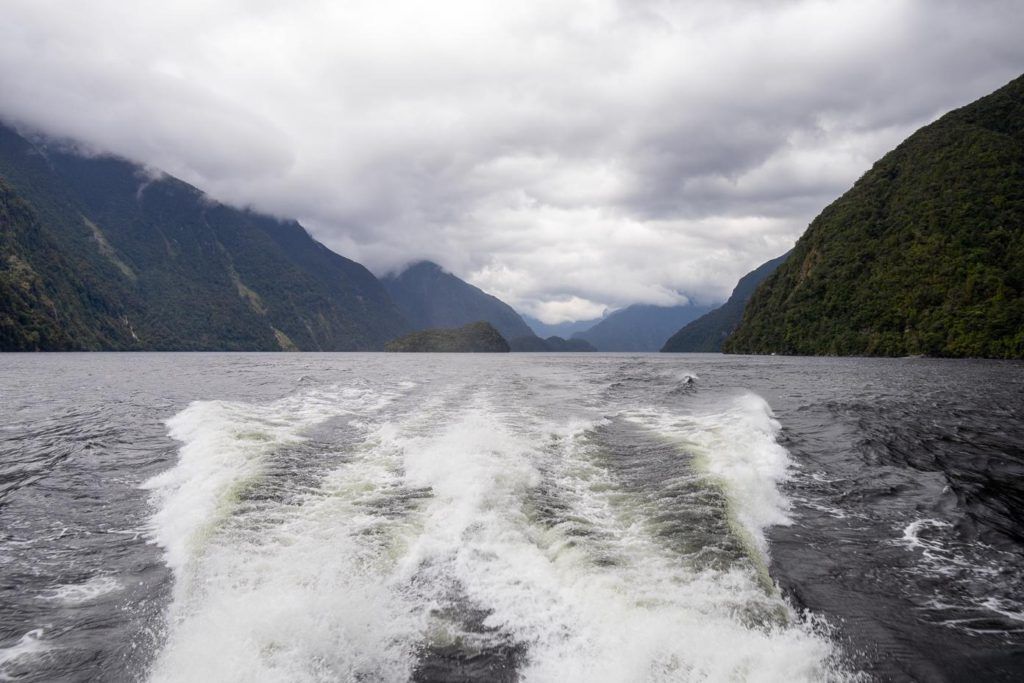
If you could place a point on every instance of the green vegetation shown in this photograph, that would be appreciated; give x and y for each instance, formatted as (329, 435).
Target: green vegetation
(707, 333)
(924, 255)
(533, 343)
(478, 337)
(100, 255)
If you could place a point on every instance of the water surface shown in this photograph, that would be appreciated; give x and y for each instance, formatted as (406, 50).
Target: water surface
(591, 517)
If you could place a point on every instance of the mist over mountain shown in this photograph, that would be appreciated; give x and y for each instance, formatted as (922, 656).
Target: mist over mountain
(430, 297)
(708, 332)
(923, 255)
(565, 330)
(640, 327)
(103, 254)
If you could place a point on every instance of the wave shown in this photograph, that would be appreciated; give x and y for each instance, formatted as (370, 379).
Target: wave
(736, 444)
(85, 592)
(29, 646)
(225, 445)
(467, 528)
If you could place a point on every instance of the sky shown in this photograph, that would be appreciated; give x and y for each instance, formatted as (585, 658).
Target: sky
(568, 157)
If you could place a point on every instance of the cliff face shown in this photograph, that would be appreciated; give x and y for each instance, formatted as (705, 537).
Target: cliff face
(924, 255)
(129, 260)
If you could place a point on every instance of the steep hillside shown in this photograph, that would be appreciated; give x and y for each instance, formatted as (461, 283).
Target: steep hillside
(639, 327)
(706, 333)
(160, 266)
(431, 297)
(44, 302)
(924, 255)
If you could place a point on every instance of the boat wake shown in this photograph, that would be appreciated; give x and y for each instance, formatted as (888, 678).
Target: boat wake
(433, 533)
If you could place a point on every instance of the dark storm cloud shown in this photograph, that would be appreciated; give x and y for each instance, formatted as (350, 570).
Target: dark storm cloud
(568, 156)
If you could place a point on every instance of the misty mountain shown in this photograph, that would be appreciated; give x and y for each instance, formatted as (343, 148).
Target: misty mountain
(101, 254)
(430, 297)
(641, 327)
(551, 344)
(923, 255)
(564, 330)
(707, 332)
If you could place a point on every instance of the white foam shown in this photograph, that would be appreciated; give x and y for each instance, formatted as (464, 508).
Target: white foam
(434, 511)
(82, 593)
(301, 591)
(29, 645)
(736, 444)
(224, 445)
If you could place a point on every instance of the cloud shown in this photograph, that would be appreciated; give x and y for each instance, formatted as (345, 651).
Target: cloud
(567, 156)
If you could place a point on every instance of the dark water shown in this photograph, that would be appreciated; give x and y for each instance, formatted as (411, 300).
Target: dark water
(526, 517)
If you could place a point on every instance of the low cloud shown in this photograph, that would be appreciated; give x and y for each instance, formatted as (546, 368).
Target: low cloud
(566, 156)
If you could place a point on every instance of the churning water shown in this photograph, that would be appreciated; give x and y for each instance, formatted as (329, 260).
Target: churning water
(371, 517)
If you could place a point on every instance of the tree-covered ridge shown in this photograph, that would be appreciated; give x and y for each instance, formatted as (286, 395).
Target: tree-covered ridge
(924, 255)
(707, 333)
(552, 344)
(156, 265)
(44, 302)
(478, 337)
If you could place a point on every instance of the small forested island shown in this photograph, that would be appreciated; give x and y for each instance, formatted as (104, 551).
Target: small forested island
(534, 343)
(478, 337)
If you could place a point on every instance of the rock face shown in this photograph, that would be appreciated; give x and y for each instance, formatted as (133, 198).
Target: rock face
(100, 254)
(924, 255)
(708, 332)
(640, 327)
(478, 337)
(551, 344)
(431, 297)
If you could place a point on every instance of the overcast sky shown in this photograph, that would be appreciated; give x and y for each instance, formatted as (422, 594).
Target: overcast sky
(565, 156)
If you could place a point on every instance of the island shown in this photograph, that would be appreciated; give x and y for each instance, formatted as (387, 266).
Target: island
(478, 337)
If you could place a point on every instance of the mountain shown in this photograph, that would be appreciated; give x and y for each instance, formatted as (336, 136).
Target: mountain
(706, 333)
(551, 344)
(431, 297)
(923, 255)
(101, 255)
(564, 330)
(478, 337)
(640, 327)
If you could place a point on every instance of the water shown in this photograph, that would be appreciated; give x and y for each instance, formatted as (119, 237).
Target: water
(371, 517)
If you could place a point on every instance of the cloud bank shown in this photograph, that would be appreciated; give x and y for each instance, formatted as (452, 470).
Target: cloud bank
(565, 156)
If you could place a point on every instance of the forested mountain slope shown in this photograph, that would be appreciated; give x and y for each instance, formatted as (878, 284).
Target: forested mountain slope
(132, 260)
(924, 255)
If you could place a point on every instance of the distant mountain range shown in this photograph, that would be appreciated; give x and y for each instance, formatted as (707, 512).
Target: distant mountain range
(640, 327)
(100, 254)
(97, 253)
(430, 297)
(564, 330)
(708, 332)
(924, 255)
